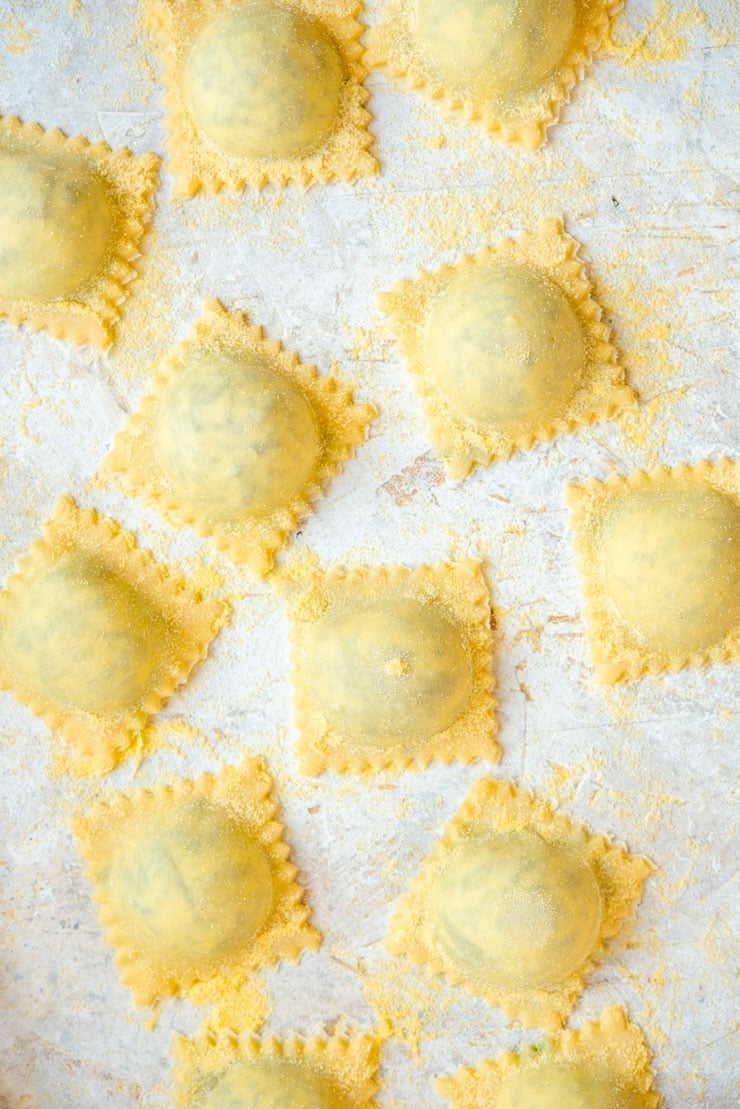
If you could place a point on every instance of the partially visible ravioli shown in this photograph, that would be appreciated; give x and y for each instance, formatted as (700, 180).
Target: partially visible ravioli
(234, 436)
(659, 555)
(194, 883)
(72, 221)
(605, 1064)
(516, 904)
(265, 81)
(95, 636)
(565, 1085)
(83, 637)
(56, 225)
(518, 911)
(508, 64)
(506, 347)
(238, 438)
(392, 667)
(274, 1084)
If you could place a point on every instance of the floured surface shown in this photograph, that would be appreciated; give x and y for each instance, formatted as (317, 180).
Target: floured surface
(640, 167)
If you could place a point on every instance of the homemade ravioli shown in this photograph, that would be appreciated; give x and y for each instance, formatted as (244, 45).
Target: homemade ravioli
(603, 1065)
(515, 904)
(263, 91)
(72, 219)
(323, 1072)
(507, 348)
(392, 668)
(193, 882)
(660, 555)
(508, 64)
(237, 439)
(95, 636)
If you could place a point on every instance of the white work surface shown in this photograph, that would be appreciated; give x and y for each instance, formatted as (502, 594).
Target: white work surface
(641, 169)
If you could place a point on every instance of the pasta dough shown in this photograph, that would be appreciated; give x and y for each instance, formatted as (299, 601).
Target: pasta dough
(564, 1085)
(265, 81)
(505, 347)
(659, 555)
(274, 1084)
(515, 904)
(387, 668)
(191, 884)
(233, 436)
(517, 910)
(56, 224)
(194, 883)
(392, 667)
(72, 221)
(237, 438)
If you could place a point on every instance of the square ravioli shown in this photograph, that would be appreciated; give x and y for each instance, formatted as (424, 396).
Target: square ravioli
(95, 636)
(516, 904)
(605, 1064)
(262, 92)
(659, 556)
(194, 883)
(507, 348)
(391, 668)
(337, 1071)
(237, 439)
(72, 221)
(506, 64)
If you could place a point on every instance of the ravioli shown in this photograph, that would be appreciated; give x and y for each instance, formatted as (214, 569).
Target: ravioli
(215, 1071)
(193, 882)
(507, 349)
(603, 1065)
(515, 904)
(507, 64)
(95, 636)
(237, 438)
(660, 558)
(392, 668)
(72, 220)
(263, 91)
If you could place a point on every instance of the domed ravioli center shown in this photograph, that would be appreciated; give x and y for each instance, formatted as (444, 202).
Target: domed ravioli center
(488, 48)
(235, 436)
(517, 911)
(84, 638)
(388, 667)
(56, 221)
(670, 566)
(505, 347)
(192, 883)
(564, 1085)
(265, 81)
(274, 1084)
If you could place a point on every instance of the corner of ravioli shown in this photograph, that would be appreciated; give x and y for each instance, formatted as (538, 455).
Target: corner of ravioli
(193, 882)
(73, 217)
(238, 439)
(95, 636)
(605, 1063)
(337, 1071)
(391, 667)
(262, 92)
(508, 65)
(516, 903)
(507, 348)
(659, 557)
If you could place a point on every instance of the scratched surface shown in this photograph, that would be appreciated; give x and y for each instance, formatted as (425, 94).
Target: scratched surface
(642, 168)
